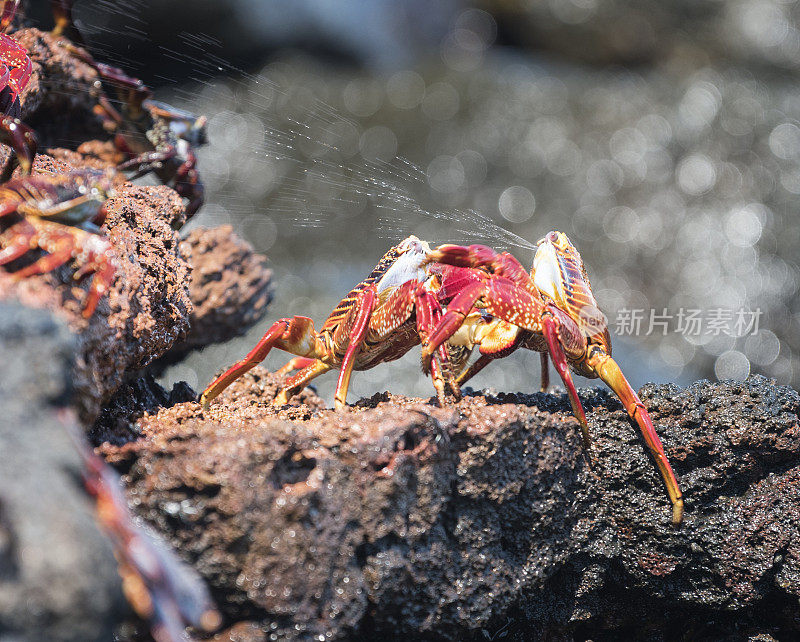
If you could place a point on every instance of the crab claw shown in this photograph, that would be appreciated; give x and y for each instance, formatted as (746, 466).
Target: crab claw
(608, 370)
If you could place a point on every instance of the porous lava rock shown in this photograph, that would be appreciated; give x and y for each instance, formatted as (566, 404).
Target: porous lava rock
(397, 518)
(61, 81)
(230, 287)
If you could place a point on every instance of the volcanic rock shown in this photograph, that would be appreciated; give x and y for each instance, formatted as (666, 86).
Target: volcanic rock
(397, 518)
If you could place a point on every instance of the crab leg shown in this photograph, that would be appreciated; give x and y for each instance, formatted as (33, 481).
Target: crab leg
(545, 380)
(21, 236)
(155, 581)
(7, 10)
(60, 245)
(363, 307)
(296, 383)
(482, 257)
(453, 319)
(62, 13)
(550, 327)
(429, 313)
(296, 363)
(495, 339)
(295, 335)
(100, 260)
(20, 137)
(609, 372)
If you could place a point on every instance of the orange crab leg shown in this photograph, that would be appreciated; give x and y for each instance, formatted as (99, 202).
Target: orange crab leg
(296, 383)
(62, 13)
(296, 363)
(21, 236)
(294, 335)
(102, 264)
(609, 372)
(60, 246)
(364, 305)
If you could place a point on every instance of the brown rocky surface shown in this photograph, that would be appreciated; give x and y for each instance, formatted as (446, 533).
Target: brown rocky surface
(398, 518)
(230, 287)
(147, 308)
(61, 82)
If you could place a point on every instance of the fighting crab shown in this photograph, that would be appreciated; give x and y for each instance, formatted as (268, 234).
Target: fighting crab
(379, 320)
(498, 307)
(60, 214)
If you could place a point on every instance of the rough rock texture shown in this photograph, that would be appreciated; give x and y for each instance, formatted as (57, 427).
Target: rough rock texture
(147, 308)
(60, 82)
(398, 518)
(230, 287)
(58, 577)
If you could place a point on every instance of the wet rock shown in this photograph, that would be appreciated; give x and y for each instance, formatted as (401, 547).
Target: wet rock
(147, 308)
(58, 576)
(230, 287)
(398, 518)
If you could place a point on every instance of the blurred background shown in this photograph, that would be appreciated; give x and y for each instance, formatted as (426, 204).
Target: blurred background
(663, 138)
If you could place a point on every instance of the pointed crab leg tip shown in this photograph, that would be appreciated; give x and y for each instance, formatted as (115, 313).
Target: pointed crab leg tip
(677, 512)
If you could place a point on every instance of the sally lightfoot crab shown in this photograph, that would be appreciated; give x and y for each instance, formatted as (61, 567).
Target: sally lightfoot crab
(380, 320)
(156, 137)
(60, 214)
(499, 308)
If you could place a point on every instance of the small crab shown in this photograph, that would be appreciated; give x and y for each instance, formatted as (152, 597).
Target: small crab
(379, 320)
(155, 136)
(495, 304)
(60, 214)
